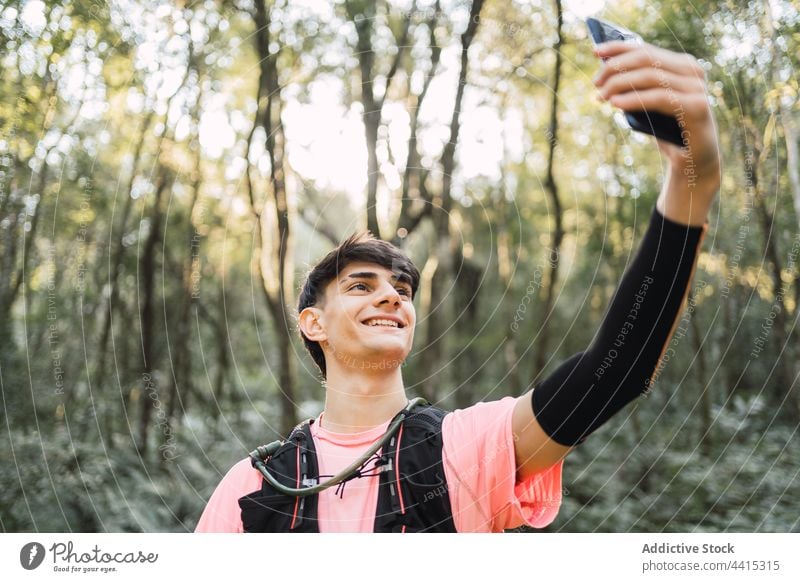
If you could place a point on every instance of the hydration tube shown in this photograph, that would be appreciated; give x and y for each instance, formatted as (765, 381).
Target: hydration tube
(260, 456)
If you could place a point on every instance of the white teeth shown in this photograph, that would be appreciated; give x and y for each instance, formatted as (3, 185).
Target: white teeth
(387, 322)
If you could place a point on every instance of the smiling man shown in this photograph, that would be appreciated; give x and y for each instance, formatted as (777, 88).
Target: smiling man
(394, 466)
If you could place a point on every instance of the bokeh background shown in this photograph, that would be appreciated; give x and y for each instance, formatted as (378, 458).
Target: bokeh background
(170, 170)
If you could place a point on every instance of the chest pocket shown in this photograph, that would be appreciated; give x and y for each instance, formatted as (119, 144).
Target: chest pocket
(268, 510)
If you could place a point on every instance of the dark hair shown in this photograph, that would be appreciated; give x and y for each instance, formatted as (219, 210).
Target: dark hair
(358, 247)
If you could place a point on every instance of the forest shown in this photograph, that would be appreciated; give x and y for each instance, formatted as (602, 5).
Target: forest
(171, 170)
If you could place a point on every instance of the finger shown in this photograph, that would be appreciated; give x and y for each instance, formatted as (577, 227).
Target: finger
(644, 56)
(651, 78)
(662, 101)
(614, 47)
(617, 49)
(684, 65)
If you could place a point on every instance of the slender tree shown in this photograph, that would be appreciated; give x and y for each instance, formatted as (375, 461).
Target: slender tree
(551, 187)
(444, 249)
(272, 215)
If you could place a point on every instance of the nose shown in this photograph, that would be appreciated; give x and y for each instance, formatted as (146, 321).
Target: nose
(388, 294)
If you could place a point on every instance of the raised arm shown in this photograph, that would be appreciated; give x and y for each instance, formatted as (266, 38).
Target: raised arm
(591, 386)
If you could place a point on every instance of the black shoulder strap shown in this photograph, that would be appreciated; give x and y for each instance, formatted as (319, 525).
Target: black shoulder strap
(268, 510)
(413, 492)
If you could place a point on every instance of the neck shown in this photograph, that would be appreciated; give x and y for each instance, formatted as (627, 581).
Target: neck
(357, 400)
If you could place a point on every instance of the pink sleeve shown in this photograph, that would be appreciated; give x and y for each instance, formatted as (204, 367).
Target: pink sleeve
(480, 468)
(222, 513)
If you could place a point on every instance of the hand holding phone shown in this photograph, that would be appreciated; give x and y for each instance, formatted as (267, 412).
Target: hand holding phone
(654, 123)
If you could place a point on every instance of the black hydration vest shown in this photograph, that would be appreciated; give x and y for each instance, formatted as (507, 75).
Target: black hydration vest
(412, 491)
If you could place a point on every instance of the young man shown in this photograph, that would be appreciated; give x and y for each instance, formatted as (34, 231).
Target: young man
(495, 465)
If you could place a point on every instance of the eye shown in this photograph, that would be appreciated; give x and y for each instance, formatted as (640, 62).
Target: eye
(363, 287)
(404, 291)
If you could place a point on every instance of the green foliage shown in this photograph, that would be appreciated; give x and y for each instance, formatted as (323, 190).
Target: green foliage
(747, 484)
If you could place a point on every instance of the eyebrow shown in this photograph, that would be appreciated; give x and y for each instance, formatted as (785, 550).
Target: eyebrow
(402, 278)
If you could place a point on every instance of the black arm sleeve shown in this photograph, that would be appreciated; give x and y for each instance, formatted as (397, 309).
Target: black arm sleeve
(591, 386)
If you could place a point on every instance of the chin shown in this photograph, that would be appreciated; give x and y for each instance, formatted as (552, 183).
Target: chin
(387, 358)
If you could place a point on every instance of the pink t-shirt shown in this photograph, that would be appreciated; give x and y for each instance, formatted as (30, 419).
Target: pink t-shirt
(479, 465)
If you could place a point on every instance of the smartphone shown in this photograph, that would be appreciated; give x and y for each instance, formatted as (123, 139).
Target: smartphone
(653, 123)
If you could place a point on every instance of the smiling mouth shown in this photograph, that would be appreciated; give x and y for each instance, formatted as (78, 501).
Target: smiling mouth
(379, 322)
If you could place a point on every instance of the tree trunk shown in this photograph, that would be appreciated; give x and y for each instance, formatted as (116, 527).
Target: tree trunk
(223, 345)
(416, 201)
(790, 133)
(147, 269)
(557, 236)
(362, 13)
(504, 274)
(433, 355)
(116, 252)
(792, 138)
(469, 364)
(707, 397)
(182, 384)
(274, 267)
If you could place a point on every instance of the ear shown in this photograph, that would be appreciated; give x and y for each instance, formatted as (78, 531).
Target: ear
(310, 324)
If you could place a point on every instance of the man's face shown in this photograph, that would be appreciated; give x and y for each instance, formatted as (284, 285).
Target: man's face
(367, 317)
